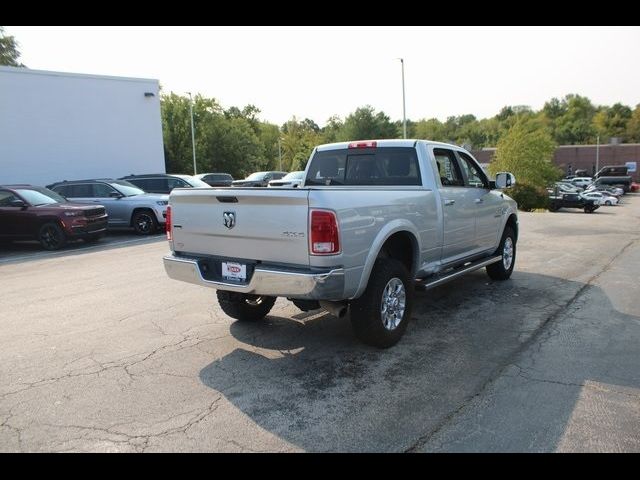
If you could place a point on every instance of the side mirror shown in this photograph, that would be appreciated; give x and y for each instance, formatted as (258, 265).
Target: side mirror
(18, 203)
(115, 194)
(505, 180)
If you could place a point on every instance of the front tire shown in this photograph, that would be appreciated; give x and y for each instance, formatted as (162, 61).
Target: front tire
(245, 307)
(144, 222)
(502, 270)
(381, 315)
(51, 236)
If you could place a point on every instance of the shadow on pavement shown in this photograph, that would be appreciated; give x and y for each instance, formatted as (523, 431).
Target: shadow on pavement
(311, 383)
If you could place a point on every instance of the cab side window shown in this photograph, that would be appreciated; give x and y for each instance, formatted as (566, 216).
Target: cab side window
(448, 169)
(82, 190)
(474, 177)
(101, 190)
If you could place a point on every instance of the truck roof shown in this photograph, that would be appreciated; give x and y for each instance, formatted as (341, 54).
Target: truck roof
(395, 142)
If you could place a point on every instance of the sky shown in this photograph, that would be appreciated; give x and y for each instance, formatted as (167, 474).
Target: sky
(317, 72)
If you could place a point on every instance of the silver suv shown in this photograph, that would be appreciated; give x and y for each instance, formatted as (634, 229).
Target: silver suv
(126, 204)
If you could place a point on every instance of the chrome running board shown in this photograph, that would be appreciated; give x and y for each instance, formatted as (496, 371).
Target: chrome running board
(436, 280)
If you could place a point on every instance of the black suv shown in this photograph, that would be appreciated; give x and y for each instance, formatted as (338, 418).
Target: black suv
(163, 182)
(216, 179)
(258, 179)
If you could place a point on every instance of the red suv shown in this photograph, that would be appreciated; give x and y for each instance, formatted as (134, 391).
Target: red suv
(36, 213)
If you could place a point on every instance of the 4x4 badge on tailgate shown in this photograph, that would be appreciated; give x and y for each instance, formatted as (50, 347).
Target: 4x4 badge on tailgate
(229, 219)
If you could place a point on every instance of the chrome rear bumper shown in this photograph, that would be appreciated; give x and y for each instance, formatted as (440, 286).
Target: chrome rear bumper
(314, 285)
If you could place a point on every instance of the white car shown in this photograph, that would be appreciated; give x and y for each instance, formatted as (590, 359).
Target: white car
(291, 180)
(601, 198)
(582, 182)
(614, 190)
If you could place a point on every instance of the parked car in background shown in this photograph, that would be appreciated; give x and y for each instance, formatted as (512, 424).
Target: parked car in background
(601, 198)
(126, 204)
(567, 187)
(613, 191)
(621, 182)
(612, 171)
(164, 182)
(634, 187)
(258, 179)
(559, 199)
(35, 213)
(216, 179)
(581, 182)
(292, 180)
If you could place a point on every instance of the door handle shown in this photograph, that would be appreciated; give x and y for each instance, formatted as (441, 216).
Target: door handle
(479, 200)
(449, 202)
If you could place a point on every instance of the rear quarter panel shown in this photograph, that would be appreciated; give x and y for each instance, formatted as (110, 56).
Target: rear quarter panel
(367, 217)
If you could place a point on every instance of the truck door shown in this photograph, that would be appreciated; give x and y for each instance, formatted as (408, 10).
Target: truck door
(488, 204)
(457, 205)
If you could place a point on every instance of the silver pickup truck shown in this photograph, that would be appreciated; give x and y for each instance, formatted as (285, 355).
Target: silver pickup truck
(372, 221)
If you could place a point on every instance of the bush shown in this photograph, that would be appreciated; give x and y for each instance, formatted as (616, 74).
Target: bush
(529, 197)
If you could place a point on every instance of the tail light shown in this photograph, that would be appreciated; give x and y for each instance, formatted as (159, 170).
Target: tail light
(324, 235)
(168, 223)
(369, 144)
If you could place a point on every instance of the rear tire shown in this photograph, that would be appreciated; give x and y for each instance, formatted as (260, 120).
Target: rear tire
(588, 209)
(381, 315)
(502, 270)
(144, 222)
(245, 307)
(51, 236)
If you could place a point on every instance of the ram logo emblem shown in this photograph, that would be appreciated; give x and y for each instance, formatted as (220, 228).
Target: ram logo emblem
(229, 219)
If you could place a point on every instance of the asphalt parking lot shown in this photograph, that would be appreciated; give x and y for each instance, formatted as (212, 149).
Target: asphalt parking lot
(100, 351)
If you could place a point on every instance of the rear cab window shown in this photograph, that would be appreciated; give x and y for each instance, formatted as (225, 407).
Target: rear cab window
(365, 166)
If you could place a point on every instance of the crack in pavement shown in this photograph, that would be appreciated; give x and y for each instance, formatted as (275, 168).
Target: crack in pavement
(537, 336)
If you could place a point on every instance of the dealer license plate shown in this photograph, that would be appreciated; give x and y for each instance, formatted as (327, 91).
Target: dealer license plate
(234, 271)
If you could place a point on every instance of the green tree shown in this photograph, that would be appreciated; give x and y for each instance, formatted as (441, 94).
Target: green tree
(9, 53)
(526, 151)
(225, 140)
(575, 125)
(366, 124)
(633, 126)
(432, 129)
(612, 121)
(298, 140)
(333, 131)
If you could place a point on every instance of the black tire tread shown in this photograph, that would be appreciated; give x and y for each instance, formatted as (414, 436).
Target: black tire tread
(365, 310)
(235, 305)
(496, 271)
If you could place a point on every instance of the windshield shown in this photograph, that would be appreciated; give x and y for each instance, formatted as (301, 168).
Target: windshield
(40, 196)
(256, 176)
(293, 176)
(126, 188)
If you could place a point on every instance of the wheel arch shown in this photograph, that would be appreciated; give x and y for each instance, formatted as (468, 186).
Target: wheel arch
(398, 240)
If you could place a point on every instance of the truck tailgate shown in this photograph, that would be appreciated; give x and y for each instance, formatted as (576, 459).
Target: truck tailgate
(244, 223)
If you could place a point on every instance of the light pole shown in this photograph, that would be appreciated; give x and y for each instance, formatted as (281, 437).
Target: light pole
(597, 153)
(193, 137)
(279, 154)
(404, 110)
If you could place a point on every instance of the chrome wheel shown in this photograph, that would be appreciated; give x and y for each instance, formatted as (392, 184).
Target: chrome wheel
(392, 307)
(507, 253)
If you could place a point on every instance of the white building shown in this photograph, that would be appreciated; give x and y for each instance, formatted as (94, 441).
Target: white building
(63, 126)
